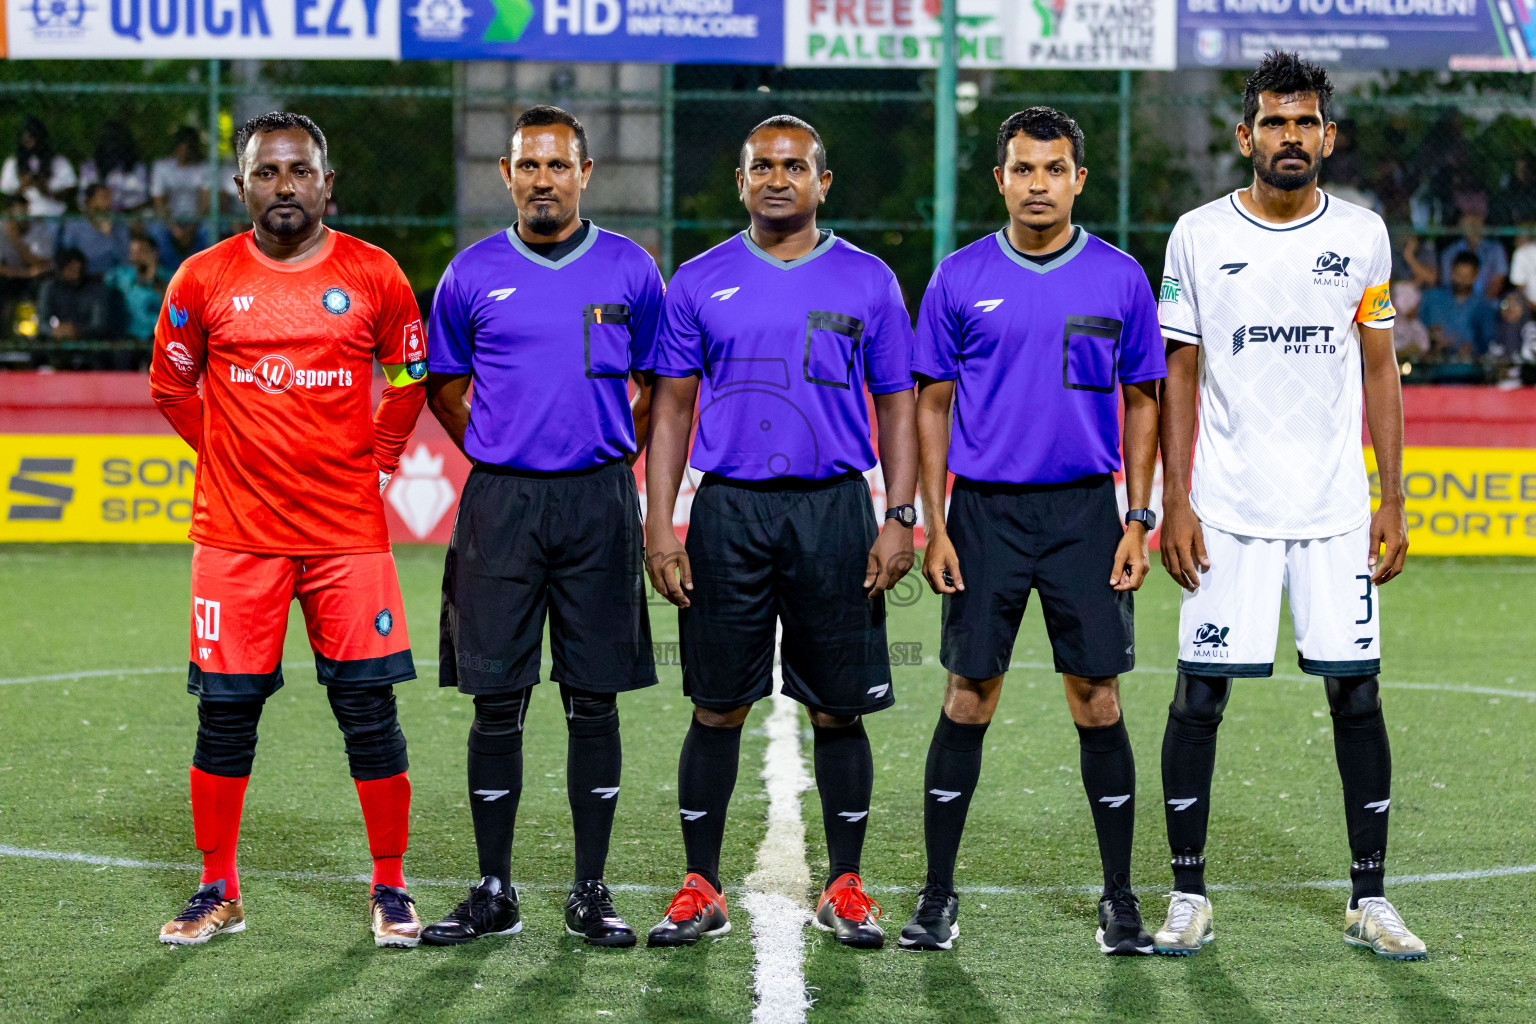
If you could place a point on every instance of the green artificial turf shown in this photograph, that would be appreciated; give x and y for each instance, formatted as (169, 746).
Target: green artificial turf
(97, 766)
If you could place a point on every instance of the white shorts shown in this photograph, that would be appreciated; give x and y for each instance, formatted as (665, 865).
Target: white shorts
(1228, 627)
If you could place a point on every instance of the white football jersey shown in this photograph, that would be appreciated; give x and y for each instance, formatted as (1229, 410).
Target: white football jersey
(1273, 309)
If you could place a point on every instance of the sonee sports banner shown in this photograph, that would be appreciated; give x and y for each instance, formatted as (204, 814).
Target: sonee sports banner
(97, 487)
(1467, 501)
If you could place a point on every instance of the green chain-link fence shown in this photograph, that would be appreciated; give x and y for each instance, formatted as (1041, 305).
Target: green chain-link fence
(1433, 153)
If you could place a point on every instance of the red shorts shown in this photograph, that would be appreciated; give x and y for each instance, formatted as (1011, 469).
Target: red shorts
(352, 610)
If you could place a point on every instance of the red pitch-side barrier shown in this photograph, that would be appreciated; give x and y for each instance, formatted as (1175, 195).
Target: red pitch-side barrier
(423, 496)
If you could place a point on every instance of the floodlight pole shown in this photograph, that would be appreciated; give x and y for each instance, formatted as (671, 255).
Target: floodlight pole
(668, 166)
(1123, 186)
(211, 221)
(945, 139)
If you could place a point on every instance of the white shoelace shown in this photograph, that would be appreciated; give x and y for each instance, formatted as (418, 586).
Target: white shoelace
(1182, 911)
(1385, 915)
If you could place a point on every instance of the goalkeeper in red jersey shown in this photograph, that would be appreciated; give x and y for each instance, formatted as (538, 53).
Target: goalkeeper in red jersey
(282, 324)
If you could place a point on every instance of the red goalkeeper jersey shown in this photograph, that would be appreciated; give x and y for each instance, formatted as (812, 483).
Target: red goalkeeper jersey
(289, 448)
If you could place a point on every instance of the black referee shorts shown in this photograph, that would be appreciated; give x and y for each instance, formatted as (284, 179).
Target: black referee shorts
(795, 551)
(1058, 539)
(566, 544)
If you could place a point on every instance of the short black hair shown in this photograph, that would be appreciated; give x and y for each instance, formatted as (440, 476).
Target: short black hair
(1467, 258)
(95, 187)
(69, 255)
(543, 115)
(279, 121)
(790, 123)
(1286, 74)
(1041, 124)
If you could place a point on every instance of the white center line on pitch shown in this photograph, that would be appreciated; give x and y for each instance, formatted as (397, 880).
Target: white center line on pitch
(1159, 670)
(431, 670)
(68, 857)
(776, 890)
(24, 853)
(97, 673)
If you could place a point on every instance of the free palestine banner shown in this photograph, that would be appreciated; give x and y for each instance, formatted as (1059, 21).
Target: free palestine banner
(992, 33)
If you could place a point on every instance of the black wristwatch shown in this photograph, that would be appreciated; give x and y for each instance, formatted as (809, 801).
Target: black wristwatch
(906, 515)
(1145, 516)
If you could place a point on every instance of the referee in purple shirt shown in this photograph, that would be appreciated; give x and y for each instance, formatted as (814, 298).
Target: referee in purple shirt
(776, 333)
(1028, 335)
(549, 320)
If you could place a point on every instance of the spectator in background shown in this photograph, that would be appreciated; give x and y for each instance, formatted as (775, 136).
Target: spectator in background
(179, 186)
(1408, 332)
(179, 183)
(19, 267)
(1439, 163)
(1469, 198)
(1423, 271)
(1490, 256)
(1513, 331)
(29, 251)
(1345, 178)
(141, 284)
(178, 241)
(1522, 268)
(1515, 202)
(38, 174)
(102, 239)
(1460, 320)
(116, 163)
(72, 304)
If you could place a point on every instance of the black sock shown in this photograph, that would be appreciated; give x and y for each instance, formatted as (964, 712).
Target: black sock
(706, 776)
(496, 779)
(954, 765)
(593, 761)
(845, 777)
(1365, 765)
(1109, 777)
(1189, 762)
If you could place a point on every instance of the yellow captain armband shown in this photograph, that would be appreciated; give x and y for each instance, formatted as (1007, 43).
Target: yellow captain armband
(1375, 304)
(401, 375)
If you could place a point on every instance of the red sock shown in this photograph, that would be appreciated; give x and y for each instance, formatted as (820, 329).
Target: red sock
(216, 804)
(387, 815)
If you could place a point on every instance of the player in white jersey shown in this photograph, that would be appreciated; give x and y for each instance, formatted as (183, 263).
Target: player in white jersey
(1272, 299)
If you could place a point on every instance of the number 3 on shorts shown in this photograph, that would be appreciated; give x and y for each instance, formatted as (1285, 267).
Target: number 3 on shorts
(1370, 605)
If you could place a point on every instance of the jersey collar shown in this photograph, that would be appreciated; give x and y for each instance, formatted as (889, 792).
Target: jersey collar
(773, 261)
(1041, 268)
(569, 258)
(1310, 218)
(316, 258)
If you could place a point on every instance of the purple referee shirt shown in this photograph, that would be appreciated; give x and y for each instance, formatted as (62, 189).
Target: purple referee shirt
(786, 350)
(550, 345)
(1037, 351)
